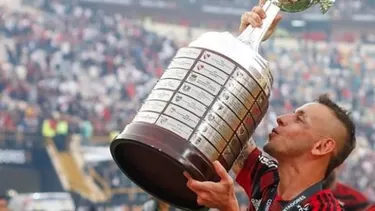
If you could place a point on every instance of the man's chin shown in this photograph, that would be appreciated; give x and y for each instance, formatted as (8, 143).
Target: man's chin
(269, 148)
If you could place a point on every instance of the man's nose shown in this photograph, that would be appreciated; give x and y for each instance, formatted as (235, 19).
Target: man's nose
(283, 119)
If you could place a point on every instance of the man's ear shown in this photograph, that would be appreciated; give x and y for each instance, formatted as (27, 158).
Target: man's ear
(324, 146)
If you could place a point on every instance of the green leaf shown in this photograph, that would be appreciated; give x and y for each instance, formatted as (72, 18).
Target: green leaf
(325, 5)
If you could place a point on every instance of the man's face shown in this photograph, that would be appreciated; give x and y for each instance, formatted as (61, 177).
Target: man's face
(299, 133)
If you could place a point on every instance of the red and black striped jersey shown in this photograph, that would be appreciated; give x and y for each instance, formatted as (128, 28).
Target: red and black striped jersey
(371, 208)
(260, 175)
(350, 198)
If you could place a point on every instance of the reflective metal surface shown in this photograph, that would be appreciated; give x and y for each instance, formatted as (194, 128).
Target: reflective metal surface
(210, 100)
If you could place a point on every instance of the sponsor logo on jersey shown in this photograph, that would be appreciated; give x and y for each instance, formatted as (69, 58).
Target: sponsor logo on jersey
(267, 161)
(256, 203)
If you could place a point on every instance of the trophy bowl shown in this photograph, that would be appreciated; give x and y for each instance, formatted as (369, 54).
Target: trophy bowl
(204, 108)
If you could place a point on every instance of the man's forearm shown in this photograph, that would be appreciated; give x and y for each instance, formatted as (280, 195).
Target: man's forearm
(240, 162)
(232, 206)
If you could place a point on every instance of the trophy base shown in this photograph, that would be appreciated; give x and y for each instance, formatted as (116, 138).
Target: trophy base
(155, 159)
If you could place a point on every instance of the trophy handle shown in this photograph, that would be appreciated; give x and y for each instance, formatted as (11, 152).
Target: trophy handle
(254, 36)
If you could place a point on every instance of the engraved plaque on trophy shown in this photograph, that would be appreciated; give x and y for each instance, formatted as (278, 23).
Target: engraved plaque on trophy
(205, 107)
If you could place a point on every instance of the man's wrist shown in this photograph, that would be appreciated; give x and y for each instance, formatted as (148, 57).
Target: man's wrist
(232, 206)
(242, 157)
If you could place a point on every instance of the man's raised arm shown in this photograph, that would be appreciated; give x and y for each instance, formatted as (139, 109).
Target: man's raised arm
(240, 162)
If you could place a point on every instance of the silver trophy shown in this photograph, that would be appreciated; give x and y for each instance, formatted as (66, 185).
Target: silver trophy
(205, 107)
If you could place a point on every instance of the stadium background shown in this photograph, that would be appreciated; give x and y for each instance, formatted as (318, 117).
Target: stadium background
(73, 73)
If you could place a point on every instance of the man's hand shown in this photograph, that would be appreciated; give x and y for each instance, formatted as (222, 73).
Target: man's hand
(220, 195)
(255, 17)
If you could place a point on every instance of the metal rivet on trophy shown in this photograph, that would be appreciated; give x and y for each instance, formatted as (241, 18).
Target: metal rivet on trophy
(205, 107)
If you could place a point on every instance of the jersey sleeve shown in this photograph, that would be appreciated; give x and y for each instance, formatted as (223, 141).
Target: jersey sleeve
(259, 172)
(350, 198)
(371, 208)
(325, 201)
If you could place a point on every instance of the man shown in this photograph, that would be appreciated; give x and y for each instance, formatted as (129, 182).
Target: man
(308, 144)
(349, 198)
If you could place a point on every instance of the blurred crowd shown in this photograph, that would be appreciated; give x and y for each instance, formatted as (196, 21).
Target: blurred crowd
(342, 9)
(345, 7)
(91, 70)
(302, 75)
(85, 67)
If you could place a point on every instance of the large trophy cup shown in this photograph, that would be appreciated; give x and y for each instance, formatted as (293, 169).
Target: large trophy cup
(205, 107)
